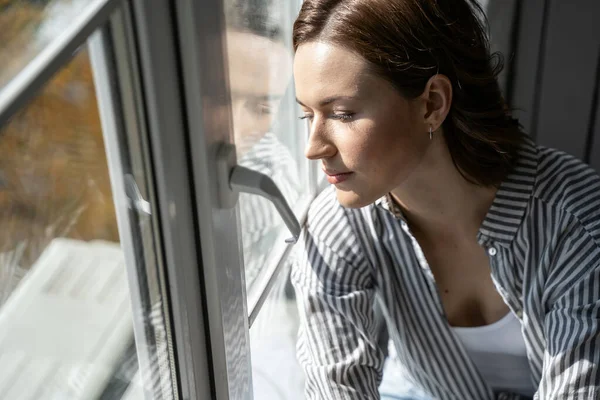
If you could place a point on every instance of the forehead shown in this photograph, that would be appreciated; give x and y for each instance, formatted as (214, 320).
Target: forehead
(326, 68)
(257, 64)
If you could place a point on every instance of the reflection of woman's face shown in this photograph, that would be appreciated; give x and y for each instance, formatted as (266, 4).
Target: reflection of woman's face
(259, 70)
(367, 135)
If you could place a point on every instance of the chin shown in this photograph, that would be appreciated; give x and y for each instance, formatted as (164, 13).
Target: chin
(351, 199)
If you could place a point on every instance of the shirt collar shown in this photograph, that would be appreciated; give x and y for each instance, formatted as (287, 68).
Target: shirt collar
(506, 213)
(387, 203)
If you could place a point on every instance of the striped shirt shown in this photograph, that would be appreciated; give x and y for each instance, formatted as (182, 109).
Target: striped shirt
(261, 224)
(542, 234)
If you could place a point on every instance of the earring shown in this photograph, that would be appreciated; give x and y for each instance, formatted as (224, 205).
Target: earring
(430, 133)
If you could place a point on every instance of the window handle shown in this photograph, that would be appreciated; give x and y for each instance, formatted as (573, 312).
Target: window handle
(234, 179)
(136, 201)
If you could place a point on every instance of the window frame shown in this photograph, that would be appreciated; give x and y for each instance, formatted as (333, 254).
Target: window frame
(25, 85)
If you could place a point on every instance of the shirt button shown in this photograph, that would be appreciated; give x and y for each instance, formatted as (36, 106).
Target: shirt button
(492, 251)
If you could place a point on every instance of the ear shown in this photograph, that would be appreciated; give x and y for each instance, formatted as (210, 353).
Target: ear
(437, 98)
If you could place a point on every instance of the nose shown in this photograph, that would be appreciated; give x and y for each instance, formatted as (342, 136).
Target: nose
(247, 129)
(242, 121)
(319, 146)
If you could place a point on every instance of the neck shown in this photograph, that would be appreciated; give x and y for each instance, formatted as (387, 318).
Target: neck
(438, 201)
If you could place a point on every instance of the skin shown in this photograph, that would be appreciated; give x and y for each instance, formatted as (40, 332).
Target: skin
(259, 71)
(360, 124)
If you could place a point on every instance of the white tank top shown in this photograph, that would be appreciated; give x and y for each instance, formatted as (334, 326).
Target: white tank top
(499, 353)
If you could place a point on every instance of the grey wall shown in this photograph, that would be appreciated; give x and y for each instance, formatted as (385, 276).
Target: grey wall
(553, 53)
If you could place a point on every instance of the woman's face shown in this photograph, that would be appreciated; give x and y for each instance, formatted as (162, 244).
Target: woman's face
(369, 138)
(259, 70)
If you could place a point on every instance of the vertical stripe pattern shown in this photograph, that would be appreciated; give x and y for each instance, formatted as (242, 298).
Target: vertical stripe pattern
(544, 225)
(261, 223)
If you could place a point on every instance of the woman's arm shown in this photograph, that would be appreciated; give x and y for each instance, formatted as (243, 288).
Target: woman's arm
(336, 345)
(571, 368)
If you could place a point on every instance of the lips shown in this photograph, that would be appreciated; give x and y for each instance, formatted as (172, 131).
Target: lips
(337, 177)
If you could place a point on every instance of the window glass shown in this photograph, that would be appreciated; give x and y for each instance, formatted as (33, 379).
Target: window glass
(28, 27)
(276, 373)
(269, 138)
(66, 327)
(268, 135)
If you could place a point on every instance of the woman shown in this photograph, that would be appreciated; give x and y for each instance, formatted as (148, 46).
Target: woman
(482, 248)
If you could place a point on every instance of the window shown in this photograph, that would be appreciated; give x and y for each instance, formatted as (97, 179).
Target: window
(29, 27)
(63, 271)
(121, 266)
(268, 135)
(549, 91)
(69, 294)
(269, 138)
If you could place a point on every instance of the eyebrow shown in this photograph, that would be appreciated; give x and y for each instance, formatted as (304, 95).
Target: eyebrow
(328, 100)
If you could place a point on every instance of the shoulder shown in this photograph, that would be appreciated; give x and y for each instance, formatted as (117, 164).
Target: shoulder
(269, 156)
(330, 256)
(562, 228)
(324, 211)
(570, 190)
(335, 226)
(272, 158)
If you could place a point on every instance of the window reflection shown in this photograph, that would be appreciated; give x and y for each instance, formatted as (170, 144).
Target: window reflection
(260, 76)
(53, 166)
(28, 26)
(259, 72)
(276, 375)
(65, 318)
(269, 138)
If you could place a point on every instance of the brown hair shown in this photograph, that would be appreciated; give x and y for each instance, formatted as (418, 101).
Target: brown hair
(407, 42)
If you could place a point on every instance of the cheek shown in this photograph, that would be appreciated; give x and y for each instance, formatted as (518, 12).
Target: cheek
(246, 121)
(387, 150)
(381, 140)
(355, 143)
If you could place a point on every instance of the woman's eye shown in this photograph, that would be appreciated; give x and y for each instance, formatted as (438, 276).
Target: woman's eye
(260, 109)
(265, 109)
(343, 116)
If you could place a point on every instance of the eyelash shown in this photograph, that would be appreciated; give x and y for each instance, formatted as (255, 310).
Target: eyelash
(260, 109)
(343, 117)
(340, 117)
